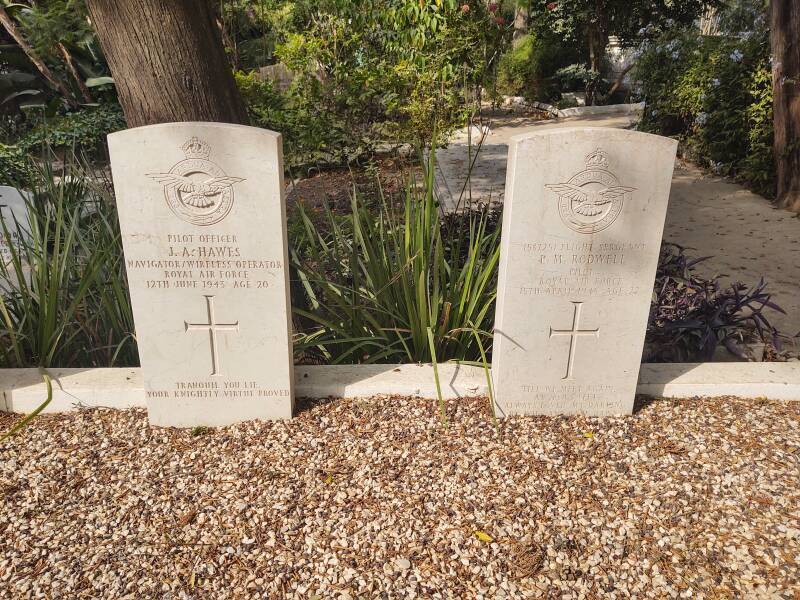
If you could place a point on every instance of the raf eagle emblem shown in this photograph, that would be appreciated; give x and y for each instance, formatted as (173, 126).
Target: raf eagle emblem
(587, 202)
(198, 194)
(196, 189)
(592, 199)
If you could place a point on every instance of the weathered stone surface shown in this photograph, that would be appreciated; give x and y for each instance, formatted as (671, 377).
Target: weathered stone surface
(204, 233)
(13, 212)
(582, 224)
(279, 74)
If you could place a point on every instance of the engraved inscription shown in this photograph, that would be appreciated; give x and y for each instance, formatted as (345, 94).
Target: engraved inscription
(196, 189)
(230, 390)
(558, 394)
(573, 334)
(206, 262)
(593, 269)
(592, 199)
(212, 327)
(7, 226)
(8, 221)
(5, 253)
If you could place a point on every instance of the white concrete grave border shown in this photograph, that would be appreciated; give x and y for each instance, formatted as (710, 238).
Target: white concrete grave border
(22, 390)
(585, 111)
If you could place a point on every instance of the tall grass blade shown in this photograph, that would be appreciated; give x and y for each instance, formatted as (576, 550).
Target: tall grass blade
(28, 418)
(487, 372)
(442, 412)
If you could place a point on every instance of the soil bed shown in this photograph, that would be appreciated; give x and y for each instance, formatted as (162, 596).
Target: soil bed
(373, 498)
(334, 187)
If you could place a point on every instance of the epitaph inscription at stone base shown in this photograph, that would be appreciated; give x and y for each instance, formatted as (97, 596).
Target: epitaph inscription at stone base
(204, 233)
(582, 225)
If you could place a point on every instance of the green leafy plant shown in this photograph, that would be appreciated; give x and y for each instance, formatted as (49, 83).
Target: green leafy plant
(529, 68)
(310, 137)
(757, 168)
(391, 71)
(588, 24)
(60, 57)
(65, 301)
(374, 282)
(691, 316)
(578, 76)
(16, 167)
(252, 29)
(83, 131)
(715, 94)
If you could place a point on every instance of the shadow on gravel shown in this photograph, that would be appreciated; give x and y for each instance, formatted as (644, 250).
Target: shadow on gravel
(641, 402)
(303, 405)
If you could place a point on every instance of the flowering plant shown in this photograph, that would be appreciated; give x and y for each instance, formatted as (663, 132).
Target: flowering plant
(717, 98)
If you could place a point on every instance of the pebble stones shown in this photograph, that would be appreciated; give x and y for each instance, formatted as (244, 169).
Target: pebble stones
(373, 498)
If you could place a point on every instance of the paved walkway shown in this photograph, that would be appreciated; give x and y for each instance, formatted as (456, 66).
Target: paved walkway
(746, 236)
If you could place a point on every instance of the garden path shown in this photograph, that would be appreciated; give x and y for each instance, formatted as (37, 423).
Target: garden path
(746, 236)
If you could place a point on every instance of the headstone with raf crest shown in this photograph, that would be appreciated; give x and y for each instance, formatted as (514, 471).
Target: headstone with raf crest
(203, 224)
(582, 223)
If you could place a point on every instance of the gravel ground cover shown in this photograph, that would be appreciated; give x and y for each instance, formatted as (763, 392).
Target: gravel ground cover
(372, 498)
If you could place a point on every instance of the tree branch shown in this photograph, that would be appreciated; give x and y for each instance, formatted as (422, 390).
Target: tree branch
(8, 24)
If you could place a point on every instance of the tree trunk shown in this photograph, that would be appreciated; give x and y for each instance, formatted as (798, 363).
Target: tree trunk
(597, 41)
(785, 41)
(13, 31)
(709, 21)
(73, 70)
(167, 61)
(592, 52)
(617, 83)
(597, 38)
(598, 35)
(520, 21)
(229, 44)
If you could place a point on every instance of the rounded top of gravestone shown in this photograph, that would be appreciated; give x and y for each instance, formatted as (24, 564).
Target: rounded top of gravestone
(196, 125)
(601, 133)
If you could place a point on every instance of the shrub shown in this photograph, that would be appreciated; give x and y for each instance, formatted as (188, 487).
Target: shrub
(66, 301)
(715, 94)
(312, 137)
(399, 70)
(83, 131)
(309, 136)
(374, 286)
(691, 316)
(16, 168)
(758, 166)
(576, 77)
(529, 68)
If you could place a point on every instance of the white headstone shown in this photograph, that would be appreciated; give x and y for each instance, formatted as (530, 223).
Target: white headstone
(203, 223)
(279, 74)
(14, 213)
(582, 223)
